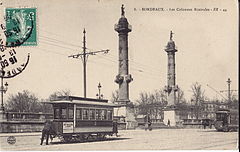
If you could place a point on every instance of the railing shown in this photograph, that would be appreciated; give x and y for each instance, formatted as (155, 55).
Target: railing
(23, 116)
(192, 121)
(27, 120)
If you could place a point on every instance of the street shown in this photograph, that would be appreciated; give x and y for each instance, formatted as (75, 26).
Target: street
(161, 139)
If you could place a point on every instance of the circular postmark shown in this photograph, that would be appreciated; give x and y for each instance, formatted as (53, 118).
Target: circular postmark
(12, 62)
(11, 140)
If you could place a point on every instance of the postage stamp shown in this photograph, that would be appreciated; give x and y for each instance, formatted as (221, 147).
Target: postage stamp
(21, 27)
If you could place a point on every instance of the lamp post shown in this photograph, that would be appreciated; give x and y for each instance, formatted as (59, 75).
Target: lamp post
(3, 89)
(99, 95)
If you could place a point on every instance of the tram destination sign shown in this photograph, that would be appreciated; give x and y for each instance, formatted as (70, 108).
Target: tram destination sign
(67, 127)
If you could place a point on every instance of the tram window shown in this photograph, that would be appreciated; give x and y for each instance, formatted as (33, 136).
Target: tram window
(85, 114)
(79, 113)
(104, 114)
(109, 115)
(98, 114)
(92, 114)
(64, 113)
(219, 117)
(56, 113)
(70, 113)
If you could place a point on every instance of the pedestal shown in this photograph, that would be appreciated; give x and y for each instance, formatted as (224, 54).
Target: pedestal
(125, 113)
(171, 114)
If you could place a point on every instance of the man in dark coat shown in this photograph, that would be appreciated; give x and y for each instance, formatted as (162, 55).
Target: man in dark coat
(115, 128)
(204, 122)
(168, 123)
(148, 122)
(46, 131)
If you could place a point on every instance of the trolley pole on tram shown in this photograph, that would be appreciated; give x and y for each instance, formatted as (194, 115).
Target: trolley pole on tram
(84, 55)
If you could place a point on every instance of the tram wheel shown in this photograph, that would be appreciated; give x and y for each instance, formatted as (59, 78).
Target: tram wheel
(101, 136)
(226, 129)
(67, 139)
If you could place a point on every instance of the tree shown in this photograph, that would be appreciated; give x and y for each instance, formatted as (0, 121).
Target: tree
(23, 102)
(143, 103)
(151, 102)
(115, 96)
(56, 94)
(180, 97)
(234, 104)
(198, 97)
(46, 107)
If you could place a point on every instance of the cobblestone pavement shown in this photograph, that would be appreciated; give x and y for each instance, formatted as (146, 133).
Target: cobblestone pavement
(161, 139)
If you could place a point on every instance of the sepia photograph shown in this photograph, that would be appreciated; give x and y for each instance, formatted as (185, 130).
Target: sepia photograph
(119, 75)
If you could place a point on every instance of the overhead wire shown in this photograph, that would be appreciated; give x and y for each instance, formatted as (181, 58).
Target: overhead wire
(149, 68)
(50, 51)
(62, 42)
(133, 68)
(71, 44)
(47, 42)
(140, 65)
(136, 66)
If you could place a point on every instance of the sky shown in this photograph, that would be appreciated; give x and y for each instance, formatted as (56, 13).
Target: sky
(207, 43)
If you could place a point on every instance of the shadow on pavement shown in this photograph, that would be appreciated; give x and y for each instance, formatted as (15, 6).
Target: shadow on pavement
(88, 141)
(208, 130)
(214, 130)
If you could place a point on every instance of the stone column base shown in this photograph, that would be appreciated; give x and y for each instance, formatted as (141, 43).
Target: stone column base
(126, 113)
(172, 116)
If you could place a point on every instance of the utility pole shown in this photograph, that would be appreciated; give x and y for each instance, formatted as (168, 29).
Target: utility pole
(84, 64)
(229, 90)
(84, 55)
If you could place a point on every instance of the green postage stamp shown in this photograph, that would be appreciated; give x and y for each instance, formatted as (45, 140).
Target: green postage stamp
(21, 27)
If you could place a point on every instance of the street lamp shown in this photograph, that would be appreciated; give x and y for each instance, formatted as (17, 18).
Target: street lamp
(99, 95)
(2, 88)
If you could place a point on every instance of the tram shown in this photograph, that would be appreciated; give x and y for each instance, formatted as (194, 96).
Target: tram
(227, 120)
(77, 118)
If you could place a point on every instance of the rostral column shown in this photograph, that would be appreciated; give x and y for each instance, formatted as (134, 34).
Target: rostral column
(123, 78)
(171, 87)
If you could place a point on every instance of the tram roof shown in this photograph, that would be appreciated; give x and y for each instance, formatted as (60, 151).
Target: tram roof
(82, 101)
(78, 98)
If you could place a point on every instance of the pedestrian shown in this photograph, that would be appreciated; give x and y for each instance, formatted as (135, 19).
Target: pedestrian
(149, 124)
(46, 131)
(146, 122)
(168, 123)
(210, 125)
(204, 124)
(115, 128)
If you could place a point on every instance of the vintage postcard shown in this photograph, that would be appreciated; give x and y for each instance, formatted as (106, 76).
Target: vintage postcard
(80, 75)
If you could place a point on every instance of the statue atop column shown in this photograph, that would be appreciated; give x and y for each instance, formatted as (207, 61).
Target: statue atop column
(123, 12)
(171, 34)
